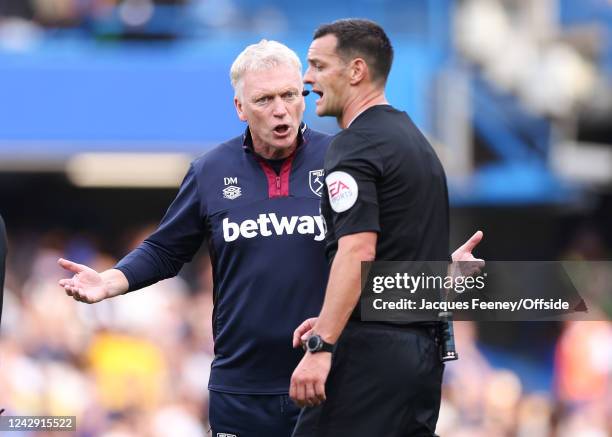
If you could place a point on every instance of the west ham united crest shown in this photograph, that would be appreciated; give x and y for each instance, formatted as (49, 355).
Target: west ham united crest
(315, 181)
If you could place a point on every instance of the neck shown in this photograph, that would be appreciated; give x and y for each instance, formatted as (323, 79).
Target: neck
(359, 103)
(271, 152)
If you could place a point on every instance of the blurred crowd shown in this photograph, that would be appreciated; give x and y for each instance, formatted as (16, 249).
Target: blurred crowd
(522, 47)
(71, 13)
(25, 22)
(138, 365)
(481, 400)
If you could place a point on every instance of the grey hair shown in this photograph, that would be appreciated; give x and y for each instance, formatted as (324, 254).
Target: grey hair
(261, 56)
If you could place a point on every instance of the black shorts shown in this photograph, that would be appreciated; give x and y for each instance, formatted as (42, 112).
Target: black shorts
(251, 415)
(384, 381)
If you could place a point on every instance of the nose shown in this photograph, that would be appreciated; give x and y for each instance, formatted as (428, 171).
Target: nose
(279, 109)
(308, 77)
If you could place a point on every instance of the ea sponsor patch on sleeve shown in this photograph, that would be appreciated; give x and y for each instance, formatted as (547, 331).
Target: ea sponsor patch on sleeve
(342, 189)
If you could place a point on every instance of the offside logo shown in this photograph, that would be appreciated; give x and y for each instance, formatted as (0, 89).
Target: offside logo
(267, 225)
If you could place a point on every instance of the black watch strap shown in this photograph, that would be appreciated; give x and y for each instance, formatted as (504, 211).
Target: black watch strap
(316, 344)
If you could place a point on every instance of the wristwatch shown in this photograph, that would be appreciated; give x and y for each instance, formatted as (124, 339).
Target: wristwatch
(316, 344)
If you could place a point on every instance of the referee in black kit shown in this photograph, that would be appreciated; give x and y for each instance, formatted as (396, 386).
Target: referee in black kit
(387, 200)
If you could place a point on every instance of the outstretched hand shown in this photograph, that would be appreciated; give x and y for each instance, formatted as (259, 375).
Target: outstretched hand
(86, 285)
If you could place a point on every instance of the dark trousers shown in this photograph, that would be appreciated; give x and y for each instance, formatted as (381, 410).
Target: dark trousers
(384, 381)
(251, 415)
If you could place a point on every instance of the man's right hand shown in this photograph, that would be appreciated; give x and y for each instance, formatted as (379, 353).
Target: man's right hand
(302, 332)
(86, 285)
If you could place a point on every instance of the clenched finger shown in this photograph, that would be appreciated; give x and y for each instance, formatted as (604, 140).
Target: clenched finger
(320, 391)
(311, 398)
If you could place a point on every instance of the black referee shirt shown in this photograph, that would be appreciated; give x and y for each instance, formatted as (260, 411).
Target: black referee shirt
(382, 175)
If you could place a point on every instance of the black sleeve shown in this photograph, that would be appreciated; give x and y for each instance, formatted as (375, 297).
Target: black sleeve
(352, 167)
(3, 251)
(173, 244)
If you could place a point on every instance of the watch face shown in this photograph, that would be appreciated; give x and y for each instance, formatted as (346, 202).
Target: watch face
(314, 343)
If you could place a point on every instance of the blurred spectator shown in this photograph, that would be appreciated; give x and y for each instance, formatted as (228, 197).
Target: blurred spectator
(130, 372)
(518, 47)
(16, 9)
(583, 362)
(478, 399)
(17, 30)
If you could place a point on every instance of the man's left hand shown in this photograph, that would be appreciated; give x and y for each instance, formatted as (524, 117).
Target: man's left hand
(308, 379)
(464, 261)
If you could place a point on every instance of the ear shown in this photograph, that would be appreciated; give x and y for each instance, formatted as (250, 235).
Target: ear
(239, 109)
(358, 71)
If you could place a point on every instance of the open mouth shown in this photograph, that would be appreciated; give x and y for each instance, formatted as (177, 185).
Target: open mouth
(281, 129)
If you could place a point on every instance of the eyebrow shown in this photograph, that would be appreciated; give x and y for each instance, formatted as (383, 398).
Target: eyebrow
(313, 59)
(260, 94)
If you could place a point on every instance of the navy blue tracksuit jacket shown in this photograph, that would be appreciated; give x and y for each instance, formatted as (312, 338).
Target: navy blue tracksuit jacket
(266, 240)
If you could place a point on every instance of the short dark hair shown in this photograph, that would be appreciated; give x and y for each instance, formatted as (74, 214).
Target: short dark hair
(364, 39)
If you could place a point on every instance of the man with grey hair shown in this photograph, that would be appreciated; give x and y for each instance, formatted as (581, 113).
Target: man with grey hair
(254, 200)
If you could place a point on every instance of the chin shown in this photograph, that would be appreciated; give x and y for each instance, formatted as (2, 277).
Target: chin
(283, 145)
(324, 111)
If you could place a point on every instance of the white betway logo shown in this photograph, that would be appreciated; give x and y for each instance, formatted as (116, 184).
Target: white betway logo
(304, 224)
